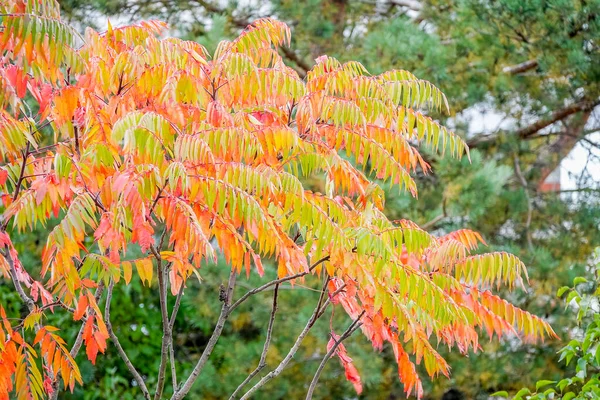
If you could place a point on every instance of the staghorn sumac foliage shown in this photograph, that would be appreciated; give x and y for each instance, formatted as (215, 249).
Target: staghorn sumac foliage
(129, 138)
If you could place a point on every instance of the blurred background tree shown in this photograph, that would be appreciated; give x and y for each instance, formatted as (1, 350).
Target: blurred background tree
(523, 79)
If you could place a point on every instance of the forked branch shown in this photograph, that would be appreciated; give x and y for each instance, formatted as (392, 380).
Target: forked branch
(351, 329)
(311, 322)
(263, 357)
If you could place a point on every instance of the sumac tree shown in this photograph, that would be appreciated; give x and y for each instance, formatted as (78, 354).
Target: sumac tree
(125, 139)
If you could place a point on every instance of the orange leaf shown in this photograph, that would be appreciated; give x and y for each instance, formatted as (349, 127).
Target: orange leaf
(81, 308)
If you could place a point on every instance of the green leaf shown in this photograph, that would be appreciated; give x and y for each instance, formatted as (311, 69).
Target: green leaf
(542, 383)
(521, 393)
(568, 396)
(571, 296)
(578, 280)
(502, 393)
(562, 291)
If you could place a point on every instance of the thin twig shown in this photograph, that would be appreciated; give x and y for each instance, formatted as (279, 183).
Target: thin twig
(171, 325)
(12, 270)
(296, 345)
(277, 281)
(166, 339)
(136, 375)
(19, 181)
(173, 368)
(187, 386)
(158, 196)
(353, 327)
(432, 223)
(176, 307)
(263, 357)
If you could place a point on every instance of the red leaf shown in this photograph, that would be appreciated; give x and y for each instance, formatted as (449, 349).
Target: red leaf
(17, 79)
(352, 374)
(3, 176)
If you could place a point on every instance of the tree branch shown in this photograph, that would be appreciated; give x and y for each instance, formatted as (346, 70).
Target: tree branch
(520, 68)
(433, 222)
(262, 362)
(351, 329)
(185, 388)
(171, 324)
(19, 182)
(295, 347)
(13, 275)
(557, 115)
(292, 56)
(531, 130)
(166, 339)
(136, 375)
(176, 308)
(276, 282)
(226, 310)
(550, 156)
(79, 340)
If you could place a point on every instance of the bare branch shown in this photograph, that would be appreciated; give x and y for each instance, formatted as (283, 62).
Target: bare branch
(295, 347)
(185, 388)
(136, 375)
(557, 115)
(531, 130)
(19, 182)
(262, 362)
(176, 307)
(171, 324)
(277, 281)
(433, 222)
(550, 156)
(520, 68)
(166, 339)
(351, 329)
(291, 55)
(13, 275)
(173, 368)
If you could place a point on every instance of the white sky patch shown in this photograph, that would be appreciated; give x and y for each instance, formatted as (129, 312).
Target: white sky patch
(483, 118)
(583, 156)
